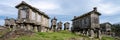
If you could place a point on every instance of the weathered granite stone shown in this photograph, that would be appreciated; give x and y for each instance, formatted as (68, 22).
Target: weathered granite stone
(59, 26)
(87, 22)
(66, 26)
(106, 28)
(28, 17)
(53, 24)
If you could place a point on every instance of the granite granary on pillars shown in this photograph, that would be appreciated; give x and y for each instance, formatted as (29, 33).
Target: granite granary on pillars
(10, 23)
(66, 26)
(59, 26)
(87, 24)
(106, 28)
(2, 28)
(29, 18)
(53, 24)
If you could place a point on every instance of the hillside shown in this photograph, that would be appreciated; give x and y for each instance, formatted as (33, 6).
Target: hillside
(62, 35)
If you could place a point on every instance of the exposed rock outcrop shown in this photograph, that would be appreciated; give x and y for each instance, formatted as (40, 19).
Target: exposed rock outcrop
(16, 33)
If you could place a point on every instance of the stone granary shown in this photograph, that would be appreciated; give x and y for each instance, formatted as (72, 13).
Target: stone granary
(59, 26)
(2, 28)
(87, 24)
(30, 18)
(66, 26)
(10, 23)
(106, 28)
(53, 24)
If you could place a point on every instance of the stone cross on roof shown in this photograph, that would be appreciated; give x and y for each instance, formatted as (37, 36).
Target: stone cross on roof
(95, 9)
(54, 18)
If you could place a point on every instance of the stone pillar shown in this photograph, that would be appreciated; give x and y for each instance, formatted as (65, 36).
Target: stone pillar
(28, 27)
(98, 34)
(9, 27)
(22, 26)
(42, 29)
(87, 33)
(53, 28)
(91, 33)
(35, 29)
(45, 29)
(39, 28)
(58, 29)
(80, 32)
(14, 27)
(32, 27)
(83, 32)
(18, 26)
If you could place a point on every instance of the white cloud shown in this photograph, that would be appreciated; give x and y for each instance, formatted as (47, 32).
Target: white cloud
(49, 7)
(2, 22)
(8, 12)
(106, 8)
(1, 11)
(111, 19)
(10, 3)
(54, 7)
(46, 5)
(66, 7)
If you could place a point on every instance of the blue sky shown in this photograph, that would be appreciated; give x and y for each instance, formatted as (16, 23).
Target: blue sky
(64, 10)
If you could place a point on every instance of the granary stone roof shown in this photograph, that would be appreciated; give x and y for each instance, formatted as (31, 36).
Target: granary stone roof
(54, 18)
(40, 12)
(106, 23)
(60, 22)
(66, 23)
(10, 21)
(94, 10)
(2, 27)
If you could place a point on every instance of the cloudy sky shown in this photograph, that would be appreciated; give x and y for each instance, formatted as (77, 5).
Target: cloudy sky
(64, 10)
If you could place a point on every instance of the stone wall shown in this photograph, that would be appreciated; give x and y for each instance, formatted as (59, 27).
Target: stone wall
(87, 24)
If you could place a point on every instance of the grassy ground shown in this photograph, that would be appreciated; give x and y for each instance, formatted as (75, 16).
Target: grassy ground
(2, 32)
(62, 35)
(107, 38)
(49, 36)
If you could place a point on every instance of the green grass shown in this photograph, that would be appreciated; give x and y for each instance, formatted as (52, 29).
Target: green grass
(2, 32)
(62, 35)
(107, 38)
